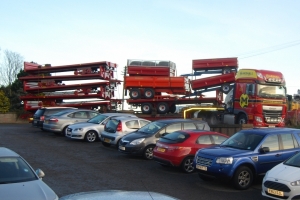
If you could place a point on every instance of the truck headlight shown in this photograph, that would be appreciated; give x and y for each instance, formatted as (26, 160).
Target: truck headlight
(258, 119)
(223, 160)
(137, 141)
(295, 183)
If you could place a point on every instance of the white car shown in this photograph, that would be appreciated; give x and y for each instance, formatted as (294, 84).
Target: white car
(90, 131)
(283, 180)
(19, 181)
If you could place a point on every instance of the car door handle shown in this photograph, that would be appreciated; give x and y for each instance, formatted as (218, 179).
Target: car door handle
(277, 155)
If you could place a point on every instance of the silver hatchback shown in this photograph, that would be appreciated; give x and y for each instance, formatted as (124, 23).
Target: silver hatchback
(59, 122)
(118, 127)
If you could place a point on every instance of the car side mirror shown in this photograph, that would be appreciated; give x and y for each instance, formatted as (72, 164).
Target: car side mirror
(264, 150)
(40, 173)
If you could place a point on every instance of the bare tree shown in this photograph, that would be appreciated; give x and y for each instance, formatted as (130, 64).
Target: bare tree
(11, 66)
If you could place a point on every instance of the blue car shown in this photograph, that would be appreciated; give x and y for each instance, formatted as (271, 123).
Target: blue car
(247, 154)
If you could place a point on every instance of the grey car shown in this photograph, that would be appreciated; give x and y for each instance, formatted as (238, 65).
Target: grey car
(59, 122)
(142, 141)
(90, 131)
(19, 181)
(117, 127)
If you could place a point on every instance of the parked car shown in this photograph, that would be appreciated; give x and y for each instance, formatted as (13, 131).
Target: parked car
(19, 181)
(117, 127)
(144, 140)
(59, 122)
(90, 131)
(283, 180)
(247, 154)
(41, 113)
(178, 148)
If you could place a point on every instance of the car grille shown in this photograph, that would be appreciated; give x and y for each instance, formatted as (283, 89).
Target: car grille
(69, 130)
(277, 186)
(203, 161)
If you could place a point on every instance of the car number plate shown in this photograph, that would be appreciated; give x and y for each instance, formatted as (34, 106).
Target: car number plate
(275, 192)
(122, 148)
(201, 167)
(106, 140)
(161, 149)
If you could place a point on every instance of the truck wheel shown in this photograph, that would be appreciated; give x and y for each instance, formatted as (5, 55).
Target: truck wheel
(225, 88)
(173, 108)
(146, 108)
(149, 93)
(242, 119)
(162, 108)
(243, 178)
(135, 93)
(226, 70)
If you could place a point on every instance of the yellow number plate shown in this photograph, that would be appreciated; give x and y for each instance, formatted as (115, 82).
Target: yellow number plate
(106, 140)
(161, 149)
(276, 192)
(201, 167)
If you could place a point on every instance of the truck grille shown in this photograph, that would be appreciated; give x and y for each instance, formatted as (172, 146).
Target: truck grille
(272, 117)
(204, 161)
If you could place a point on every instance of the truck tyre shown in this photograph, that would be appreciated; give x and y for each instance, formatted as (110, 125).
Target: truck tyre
(135, 93)
(149, 93)
(242, 119)
(226, 70)
(225, 88)
(173, 108)
(146, 108)
(162, 108)
(243, 178)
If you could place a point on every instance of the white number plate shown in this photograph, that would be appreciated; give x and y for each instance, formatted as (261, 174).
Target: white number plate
(276, 192)
(122, 148)
(201, 167)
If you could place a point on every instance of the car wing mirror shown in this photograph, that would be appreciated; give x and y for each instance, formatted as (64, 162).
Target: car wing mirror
(264, 150)
(40, 173)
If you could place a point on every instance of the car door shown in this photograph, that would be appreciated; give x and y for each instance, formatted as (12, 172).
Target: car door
(289, 145)
(80, 116)
(202, 141)
(168, 129)
(92, 114)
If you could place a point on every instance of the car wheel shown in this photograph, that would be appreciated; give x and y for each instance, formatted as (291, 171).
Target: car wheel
(187, 165)
(118, 144)
(148, 152)
(105, 144)
(242, 119)
(91, 136)
(205, 178)
(243, 178)
(64, 131)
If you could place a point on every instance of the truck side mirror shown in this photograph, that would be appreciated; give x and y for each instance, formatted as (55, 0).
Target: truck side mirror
(264, 150)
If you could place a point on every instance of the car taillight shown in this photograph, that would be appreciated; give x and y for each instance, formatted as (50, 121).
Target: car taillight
(119, 127)
(176, 148)
(42, 118)
(53, 120)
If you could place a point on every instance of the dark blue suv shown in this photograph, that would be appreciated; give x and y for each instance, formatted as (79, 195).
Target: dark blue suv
(247, 154)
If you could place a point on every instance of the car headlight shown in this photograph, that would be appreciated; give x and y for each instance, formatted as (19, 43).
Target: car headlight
(295, 183)
(223, 160)
(78, 129)
(137, 141)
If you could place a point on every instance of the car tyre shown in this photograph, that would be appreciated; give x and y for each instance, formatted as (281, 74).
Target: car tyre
(91, 136)
(105, 144)
(64, 131)
(148, 152)
(187, 165)
(243, 178)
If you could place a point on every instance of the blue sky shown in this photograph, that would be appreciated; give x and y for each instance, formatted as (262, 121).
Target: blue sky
(262, 34)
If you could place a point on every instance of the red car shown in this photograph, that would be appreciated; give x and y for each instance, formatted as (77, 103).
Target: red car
(179, 148)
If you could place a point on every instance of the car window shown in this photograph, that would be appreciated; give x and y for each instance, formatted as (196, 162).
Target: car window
(175, 137)
(80, 115)
(173, 127)
(287, 141)
(272, 142)
(92, 114)
(204, 139)
(203, 126)
(144, 122)
(134, 124)
(218, 139)
(111, 125)
(98, 119)
(293, 161)
(52, 111)
(189, 126)
(39, 112)
(152, 128)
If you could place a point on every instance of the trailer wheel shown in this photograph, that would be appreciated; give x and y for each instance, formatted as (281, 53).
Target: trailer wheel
(146, 108)
(135, 93)
(162, 108)
(225, 88)
(226, 70)
(242, 119)
(149, 93)
(172, 108)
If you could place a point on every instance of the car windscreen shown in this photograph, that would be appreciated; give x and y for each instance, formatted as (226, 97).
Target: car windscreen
(61, 113)
(293, 161)
(111, 126)
(98, 119)
(39, 112)
(15, 170)
(243, 140)
(175, 137)
(151, 128)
